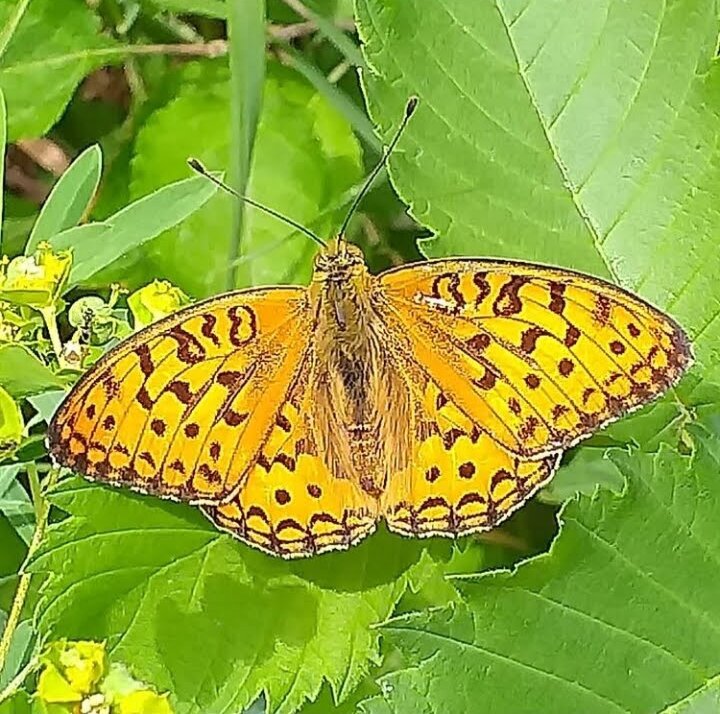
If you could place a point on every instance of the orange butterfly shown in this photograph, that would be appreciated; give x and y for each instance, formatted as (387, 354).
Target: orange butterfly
(438, 396)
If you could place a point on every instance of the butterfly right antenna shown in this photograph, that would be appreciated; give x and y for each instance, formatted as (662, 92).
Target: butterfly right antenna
(409, 109)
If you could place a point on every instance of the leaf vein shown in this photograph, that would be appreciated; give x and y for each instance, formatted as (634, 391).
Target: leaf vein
(570, 684)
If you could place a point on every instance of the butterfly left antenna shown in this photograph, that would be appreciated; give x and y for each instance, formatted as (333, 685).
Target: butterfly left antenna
(196, 166)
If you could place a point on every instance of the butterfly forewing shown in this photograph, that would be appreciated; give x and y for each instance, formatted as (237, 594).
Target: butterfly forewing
(180, 410)
(537, 357)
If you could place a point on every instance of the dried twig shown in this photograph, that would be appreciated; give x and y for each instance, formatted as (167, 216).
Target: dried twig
(291, 32)
(213, 48)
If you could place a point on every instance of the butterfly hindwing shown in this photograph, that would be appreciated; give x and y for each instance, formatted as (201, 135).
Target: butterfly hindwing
(291, 505)
(179, 410)
(460, 480)
(539, 357)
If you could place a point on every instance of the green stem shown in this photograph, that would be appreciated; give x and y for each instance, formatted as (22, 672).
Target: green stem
(246, 34)
(18, 603)
(354, 115)
(331, 31)
(49, 315)
(35, 490)
(16, 682)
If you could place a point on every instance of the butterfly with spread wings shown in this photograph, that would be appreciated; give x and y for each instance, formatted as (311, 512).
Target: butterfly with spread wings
(438, 396)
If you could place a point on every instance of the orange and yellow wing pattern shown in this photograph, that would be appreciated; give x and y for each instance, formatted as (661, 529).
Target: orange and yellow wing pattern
(291, 505)
(182, 409)
(536, 357)
(461, 480)
(507, 364)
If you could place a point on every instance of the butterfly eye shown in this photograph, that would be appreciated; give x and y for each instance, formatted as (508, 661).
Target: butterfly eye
(322, 263)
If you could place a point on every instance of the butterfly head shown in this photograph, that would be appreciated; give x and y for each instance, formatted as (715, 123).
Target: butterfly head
(339, 262)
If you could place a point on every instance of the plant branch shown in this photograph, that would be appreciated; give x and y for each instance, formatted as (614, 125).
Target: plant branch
(331, 30)
(35, 491)
(247, 38)
(49, 315)
(213, 48)
(300, 8)
(13, 686)
(18, 603)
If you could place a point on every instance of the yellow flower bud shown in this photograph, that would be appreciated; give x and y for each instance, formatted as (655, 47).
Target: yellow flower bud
(71, 670)
(155, 301)
(54, 688)
(84, 664)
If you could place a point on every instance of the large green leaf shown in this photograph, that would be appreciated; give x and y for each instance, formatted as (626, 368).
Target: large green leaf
(622, 615)
(46, 48)
(305, 158)
(582, 134)
(211, 620)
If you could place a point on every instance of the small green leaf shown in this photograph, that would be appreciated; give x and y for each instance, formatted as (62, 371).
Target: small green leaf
(587, 470)
(23, 374)
(19, 651)
(14, 547)
(46, 403)
(155, 301)
(68, 201)
(134, 225)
